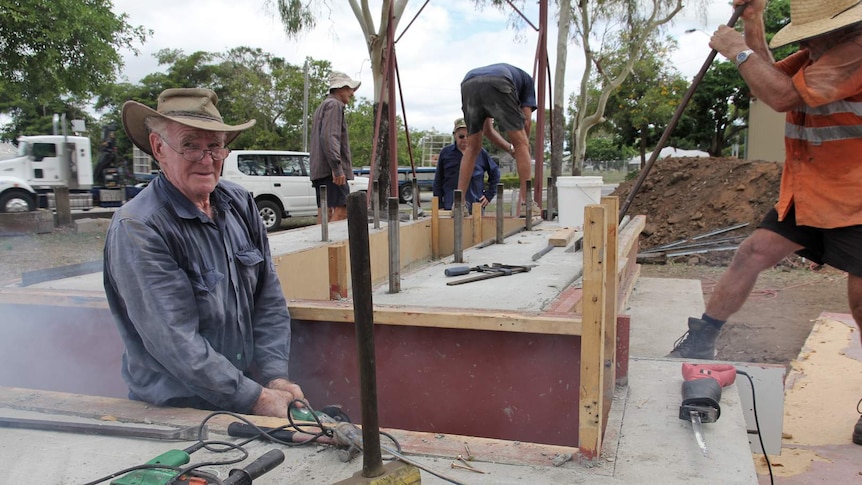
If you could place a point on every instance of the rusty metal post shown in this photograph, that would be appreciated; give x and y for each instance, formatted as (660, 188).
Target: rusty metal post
(528, 206)
(415, 184)
(375, 203)
(363, 315)
(324, 215)
(394, 229)
(458, 227)
(499, 213)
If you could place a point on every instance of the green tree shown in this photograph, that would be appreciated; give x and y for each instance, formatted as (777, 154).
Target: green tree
(641, 108)
(718, 112)
(298, 16)
(58, 51)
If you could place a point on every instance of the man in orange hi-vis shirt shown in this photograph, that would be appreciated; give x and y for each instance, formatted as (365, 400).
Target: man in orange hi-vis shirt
(819, 209)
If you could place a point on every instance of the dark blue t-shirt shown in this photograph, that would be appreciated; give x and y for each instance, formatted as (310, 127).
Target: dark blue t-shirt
(522, 81)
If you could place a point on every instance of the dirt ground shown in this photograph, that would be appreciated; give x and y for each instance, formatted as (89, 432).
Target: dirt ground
(686, 199)
(683, 198)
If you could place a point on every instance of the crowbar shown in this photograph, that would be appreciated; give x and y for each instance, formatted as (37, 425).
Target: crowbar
(191, 433)
(737, 12)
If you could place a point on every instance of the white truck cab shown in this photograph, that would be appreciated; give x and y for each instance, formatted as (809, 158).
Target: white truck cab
(42, 163)
(279, 182)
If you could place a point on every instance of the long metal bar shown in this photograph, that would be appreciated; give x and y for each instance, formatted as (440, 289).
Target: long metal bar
(458, 227)
(394, 231)
(324, 215)
(675, 119)
(375, 203)
(499, 213)
(181, 434)
(363, 315)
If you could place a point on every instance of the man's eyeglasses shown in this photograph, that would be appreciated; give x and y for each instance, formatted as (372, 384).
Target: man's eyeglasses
(461, 137)
(197, 154)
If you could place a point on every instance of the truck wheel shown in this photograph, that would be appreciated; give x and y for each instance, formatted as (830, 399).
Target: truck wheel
(405, 193)
(17, 201)
(270, 213)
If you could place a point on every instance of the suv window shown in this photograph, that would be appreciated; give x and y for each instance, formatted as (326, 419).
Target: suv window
(288, 165)
(252, 164)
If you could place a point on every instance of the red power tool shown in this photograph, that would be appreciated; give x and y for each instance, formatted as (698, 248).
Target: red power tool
(701, 393)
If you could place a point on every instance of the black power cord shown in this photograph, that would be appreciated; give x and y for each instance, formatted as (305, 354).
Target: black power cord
(757, 424)
(226, 446)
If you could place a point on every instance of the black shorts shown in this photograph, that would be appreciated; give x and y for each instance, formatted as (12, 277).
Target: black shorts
(336, 195)
(491, 97)
(840, 247)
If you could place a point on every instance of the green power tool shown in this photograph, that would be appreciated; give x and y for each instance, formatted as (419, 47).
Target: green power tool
(158, 476)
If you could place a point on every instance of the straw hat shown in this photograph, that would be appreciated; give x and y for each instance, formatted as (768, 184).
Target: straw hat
(812, 18)
(339, 80)
(194, 107)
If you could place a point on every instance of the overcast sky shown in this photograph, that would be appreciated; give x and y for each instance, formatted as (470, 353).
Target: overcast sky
(447, 39)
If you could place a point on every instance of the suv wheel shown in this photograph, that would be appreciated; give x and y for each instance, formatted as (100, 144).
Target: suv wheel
(270, 213)
(405, 193)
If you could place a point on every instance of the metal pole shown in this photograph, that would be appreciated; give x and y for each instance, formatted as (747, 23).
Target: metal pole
(528, 207)
(305, 108)
(375, 203)
(394, 229)
(363, 316)
(675, 119)
(415, 197)
(499, 213)
(324, 215)
(458, 227)
(549, 206)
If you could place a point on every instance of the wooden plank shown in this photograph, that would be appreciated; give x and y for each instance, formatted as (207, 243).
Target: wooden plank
(592, 343)
(630, 234)
(461, 318)
(55, 405)
(611, 278)
(562, 237)
(338, 272)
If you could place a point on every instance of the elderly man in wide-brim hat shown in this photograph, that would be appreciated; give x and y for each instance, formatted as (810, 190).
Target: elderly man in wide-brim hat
(188, 272)
(819, 210)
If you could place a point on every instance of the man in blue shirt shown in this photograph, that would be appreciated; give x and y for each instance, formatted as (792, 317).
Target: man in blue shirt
(505, 94)
(448, 171)
(188, 271)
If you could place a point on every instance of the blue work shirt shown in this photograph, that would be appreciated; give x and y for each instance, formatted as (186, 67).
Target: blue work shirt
(196, 300)
(448, 170)
(522, 81)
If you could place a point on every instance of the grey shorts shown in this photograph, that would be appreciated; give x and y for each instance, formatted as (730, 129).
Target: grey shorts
(840, 247)
(491, 97)
(336, 195)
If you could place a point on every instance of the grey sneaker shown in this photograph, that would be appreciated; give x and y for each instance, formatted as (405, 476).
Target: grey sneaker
(697, 343)
(857, 430)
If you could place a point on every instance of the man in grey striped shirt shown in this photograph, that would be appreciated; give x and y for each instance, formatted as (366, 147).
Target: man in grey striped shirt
(331, 163)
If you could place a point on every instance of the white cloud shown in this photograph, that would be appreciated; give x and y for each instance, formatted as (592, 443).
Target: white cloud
(446, 40)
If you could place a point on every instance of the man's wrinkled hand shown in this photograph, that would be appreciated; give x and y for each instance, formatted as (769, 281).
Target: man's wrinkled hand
(287, 386)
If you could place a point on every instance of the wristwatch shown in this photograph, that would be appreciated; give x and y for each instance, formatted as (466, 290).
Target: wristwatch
(742, 57)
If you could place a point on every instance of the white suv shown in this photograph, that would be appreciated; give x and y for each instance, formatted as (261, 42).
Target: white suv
(279, 182)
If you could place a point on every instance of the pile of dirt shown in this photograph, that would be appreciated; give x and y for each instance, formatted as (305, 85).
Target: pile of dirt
(684, 198)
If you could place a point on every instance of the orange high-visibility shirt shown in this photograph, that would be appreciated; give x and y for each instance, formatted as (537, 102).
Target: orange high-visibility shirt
(822, 174)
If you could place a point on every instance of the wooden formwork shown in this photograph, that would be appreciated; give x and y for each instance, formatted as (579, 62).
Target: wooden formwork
(568, 381)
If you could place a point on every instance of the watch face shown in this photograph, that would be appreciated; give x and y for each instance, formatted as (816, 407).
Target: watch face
(742, 56)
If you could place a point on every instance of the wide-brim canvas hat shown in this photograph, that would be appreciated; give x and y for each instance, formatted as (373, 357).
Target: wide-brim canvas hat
(338, 79)
(194, 107)
(812, 18)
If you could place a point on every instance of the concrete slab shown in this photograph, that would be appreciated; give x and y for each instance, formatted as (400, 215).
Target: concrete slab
(532, 291)
(660, 308)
